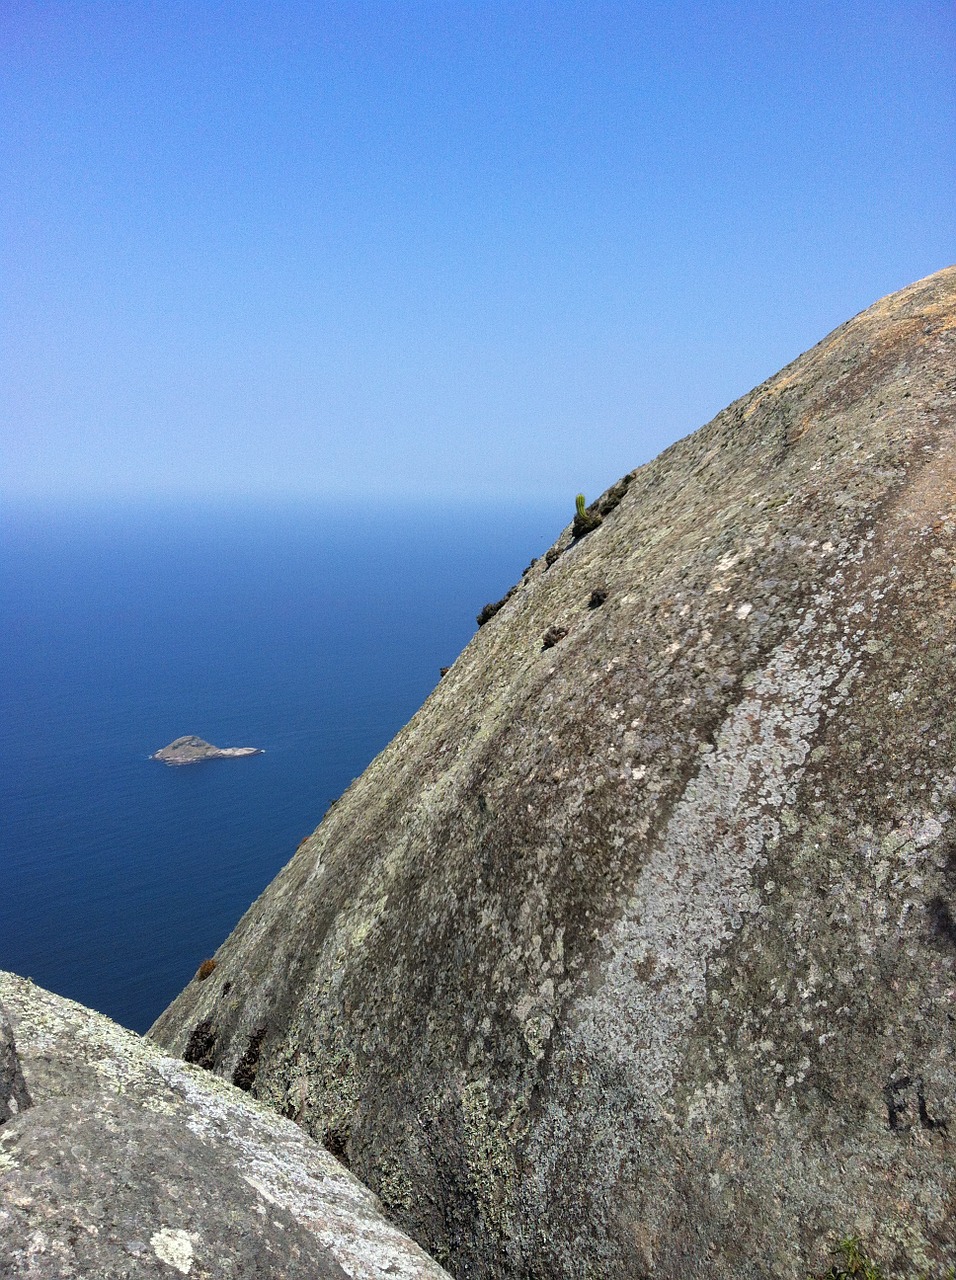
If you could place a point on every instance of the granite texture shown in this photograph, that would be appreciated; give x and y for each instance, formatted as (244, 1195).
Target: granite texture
(122, 1162)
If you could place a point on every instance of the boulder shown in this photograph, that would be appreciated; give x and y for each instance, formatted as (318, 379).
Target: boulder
(133, 1164)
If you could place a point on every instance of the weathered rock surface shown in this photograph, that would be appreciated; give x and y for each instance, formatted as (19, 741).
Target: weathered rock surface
(634, 956)
(129, 1163)
(191, 750)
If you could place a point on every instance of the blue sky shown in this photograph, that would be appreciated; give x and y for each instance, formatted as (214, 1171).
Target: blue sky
(440, 250)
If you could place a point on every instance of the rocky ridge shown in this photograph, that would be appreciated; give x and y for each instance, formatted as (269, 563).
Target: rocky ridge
(633, 955)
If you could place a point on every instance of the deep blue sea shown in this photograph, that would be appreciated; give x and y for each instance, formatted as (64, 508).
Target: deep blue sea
(314, 634)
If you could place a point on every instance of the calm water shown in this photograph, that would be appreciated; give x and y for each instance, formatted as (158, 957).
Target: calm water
(314, 638)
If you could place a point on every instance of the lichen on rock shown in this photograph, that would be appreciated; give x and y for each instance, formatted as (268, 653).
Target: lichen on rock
(129, 1163)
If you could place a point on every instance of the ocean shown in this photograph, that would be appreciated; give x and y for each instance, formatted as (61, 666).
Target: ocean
(312, 633)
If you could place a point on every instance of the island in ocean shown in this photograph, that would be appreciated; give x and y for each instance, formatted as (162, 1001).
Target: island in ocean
(190, 750)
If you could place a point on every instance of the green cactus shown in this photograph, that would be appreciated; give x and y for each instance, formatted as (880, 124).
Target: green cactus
(584, 520)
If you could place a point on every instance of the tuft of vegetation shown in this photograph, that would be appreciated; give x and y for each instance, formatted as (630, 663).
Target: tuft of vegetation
(205, 969)
(552, 636)
(201, 1048)
(606, 504)
(855, 1265)
(585, 518)
(489, 611)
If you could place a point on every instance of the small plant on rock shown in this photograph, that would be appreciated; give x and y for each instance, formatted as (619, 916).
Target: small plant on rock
(855, 1265)
(584, 520)
(489, 611)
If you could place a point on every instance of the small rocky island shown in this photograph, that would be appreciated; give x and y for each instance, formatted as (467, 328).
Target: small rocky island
(191, 750)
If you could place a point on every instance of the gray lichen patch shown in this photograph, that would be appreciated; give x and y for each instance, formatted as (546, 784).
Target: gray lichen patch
(696, 887)
(103, 1188)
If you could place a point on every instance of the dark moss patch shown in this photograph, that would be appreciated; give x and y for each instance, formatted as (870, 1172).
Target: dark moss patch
(244, 1076)
(854, 1263)
(335, 1139)
(489, 611)
(552, 636)
(608, 501)
(584, 524)
(942, 923)
(598, 596)
(201, 1046)
(587, 519)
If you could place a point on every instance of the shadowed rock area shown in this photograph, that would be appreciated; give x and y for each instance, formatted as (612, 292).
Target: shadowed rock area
(118, 1161)
(633, 955)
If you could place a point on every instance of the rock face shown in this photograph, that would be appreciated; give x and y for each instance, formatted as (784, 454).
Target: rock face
(129, 1163)
(633, 955)
(190, 750)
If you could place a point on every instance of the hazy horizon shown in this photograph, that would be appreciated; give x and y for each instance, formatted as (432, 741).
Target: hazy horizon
(440, 252)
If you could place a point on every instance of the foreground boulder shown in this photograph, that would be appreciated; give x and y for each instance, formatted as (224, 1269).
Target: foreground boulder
(633, 954)
(118, 1161)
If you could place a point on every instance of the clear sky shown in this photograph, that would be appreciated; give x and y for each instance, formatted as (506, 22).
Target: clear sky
(446, 249)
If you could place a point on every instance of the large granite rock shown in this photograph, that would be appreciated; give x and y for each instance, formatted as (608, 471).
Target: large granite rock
(633, 954)
(131, 1164)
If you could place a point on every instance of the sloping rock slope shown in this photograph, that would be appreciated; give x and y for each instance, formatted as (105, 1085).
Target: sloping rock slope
(117, 1161)
(634, 955)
